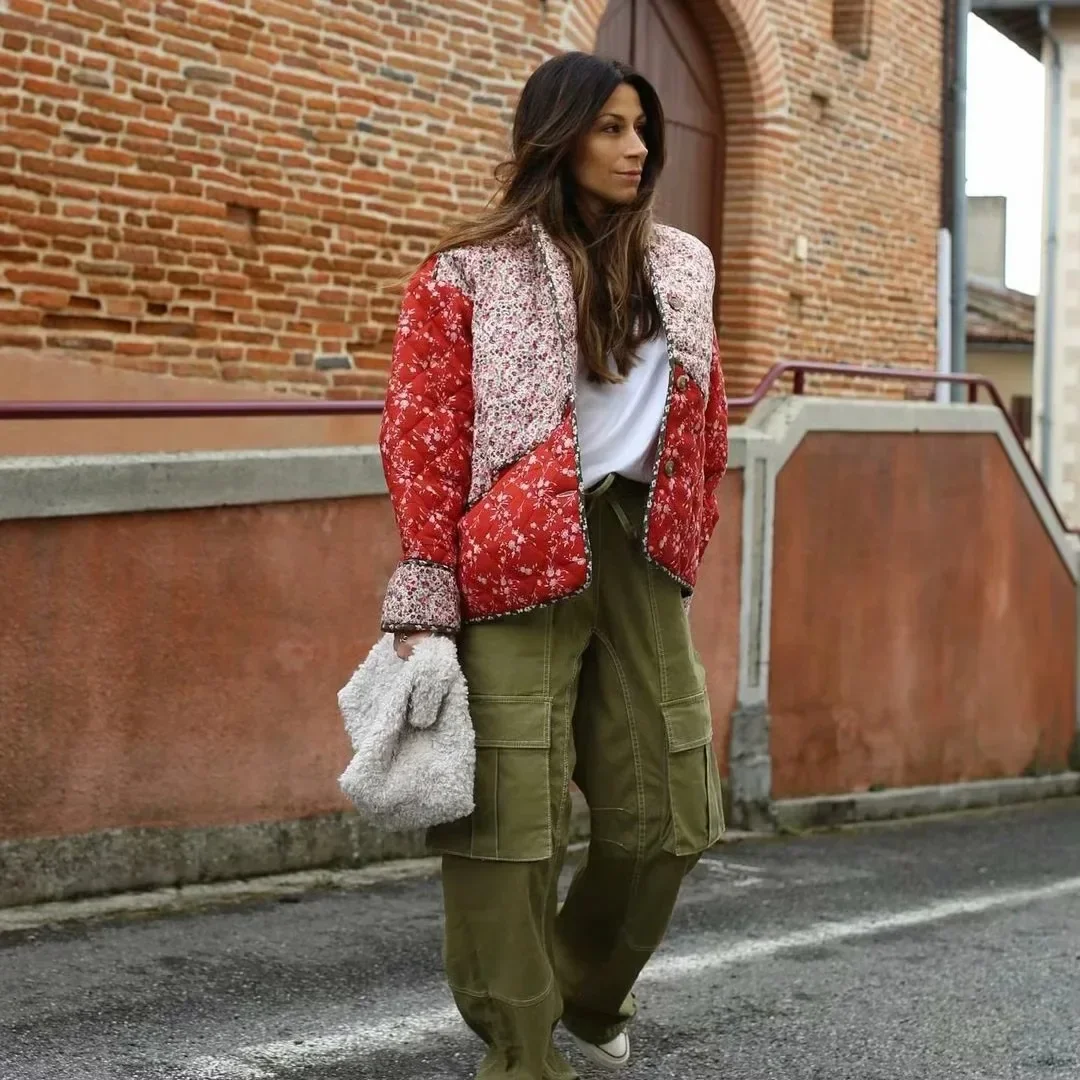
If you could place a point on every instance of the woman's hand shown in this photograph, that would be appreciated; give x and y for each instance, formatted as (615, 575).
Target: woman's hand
(405, 643)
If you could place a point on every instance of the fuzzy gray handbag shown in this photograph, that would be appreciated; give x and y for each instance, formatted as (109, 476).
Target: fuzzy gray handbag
(414, 752)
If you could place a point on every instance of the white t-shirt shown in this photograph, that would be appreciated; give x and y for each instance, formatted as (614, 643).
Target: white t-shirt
(619, 423)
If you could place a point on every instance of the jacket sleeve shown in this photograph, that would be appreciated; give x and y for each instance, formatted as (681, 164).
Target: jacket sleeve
(426, 447)
(716, 446)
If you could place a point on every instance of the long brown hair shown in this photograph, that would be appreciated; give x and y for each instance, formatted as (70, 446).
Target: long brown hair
(616, 308)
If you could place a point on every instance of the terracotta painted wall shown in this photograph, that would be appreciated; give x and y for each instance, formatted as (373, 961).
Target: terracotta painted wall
(923, 623)
(714, 614)
(180, 669)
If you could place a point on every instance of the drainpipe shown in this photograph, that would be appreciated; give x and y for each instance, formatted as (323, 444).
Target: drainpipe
(1049, 284)
(943, 391)
(958, 342)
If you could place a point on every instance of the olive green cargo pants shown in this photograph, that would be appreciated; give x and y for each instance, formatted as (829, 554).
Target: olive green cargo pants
(606, 688)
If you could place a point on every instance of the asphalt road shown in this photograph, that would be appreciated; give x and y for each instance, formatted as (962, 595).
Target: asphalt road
(946, 949)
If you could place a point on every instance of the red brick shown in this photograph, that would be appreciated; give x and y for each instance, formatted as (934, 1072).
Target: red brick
(235, 300)
(141, 182)
(50, 90)
(165, 329)
(136, 348)
(86, 323)
(190, 105)
(185, 206)
(55, 167)
(20, 341)
(43, 298)
(120, 306)
(19, 317)
(49, 280)
(101, 122)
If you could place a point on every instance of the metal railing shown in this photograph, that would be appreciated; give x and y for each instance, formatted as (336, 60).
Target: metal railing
(145, 410)
(798, 369)
(116, 410)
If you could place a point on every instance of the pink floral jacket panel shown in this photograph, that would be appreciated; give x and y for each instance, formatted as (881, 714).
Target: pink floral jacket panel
(479, 443)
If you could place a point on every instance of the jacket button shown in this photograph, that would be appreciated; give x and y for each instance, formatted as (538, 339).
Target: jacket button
(681, 383)
(669, 467)
(676, 301)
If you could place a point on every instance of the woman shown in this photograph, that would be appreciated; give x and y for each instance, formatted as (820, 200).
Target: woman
(554, 432)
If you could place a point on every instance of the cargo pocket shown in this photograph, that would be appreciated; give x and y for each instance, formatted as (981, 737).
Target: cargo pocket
(512, 819)
(697, 816)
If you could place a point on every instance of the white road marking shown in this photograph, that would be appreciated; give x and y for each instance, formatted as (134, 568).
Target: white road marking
(269, 1060)
(669, 966)
(413, 1019)
(739, 876)
(727, 864)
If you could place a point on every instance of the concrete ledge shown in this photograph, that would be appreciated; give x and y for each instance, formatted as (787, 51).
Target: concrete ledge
(47, 487)
(122, 860)
(826, 811)
(51, 870)
(46, 869)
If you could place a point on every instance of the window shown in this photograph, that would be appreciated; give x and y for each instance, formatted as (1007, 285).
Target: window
(1020, 410)
(851, 26)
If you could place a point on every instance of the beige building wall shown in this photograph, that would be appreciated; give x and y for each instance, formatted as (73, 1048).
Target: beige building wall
(1064, 473)
(1010, 370)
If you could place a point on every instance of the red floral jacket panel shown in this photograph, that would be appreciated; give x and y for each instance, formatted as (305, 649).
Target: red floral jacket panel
(692, 459)
(479, 443)
(523, 544)
(426, 446)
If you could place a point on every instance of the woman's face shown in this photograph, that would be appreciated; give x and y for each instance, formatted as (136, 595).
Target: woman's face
(608, 163)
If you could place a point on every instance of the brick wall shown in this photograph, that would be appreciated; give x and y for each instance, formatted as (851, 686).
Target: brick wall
(231, 189)
(863, 169)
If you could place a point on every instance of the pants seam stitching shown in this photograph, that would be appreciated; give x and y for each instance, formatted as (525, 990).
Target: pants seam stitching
(664, 695)
(487, 995)
(639, 857)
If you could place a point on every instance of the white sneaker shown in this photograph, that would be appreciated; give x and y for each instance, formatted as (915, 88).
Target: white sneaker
(611, 1055)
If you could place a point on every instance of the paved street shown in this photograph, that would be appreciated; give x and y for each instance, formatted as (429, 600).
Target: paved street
(940, 949)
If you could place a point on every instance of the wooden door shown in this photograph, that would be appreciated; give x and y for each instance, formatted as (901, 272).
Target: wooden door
(661, 40)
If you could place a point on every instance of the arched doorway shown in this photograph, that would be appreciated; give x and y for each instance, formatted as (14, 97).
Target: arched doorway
(662, 40)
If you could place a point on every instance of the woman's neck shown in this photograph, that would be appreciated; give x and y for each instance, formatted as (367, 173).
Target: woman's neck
(591, 211)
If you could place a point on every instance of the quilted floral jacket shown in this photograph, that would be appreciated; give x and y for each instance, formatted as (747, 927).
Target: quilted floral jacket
(479, 442)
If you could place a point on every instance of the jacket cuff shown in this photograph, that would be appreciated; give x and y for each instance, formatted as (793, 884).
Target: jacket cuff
(422, 596)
